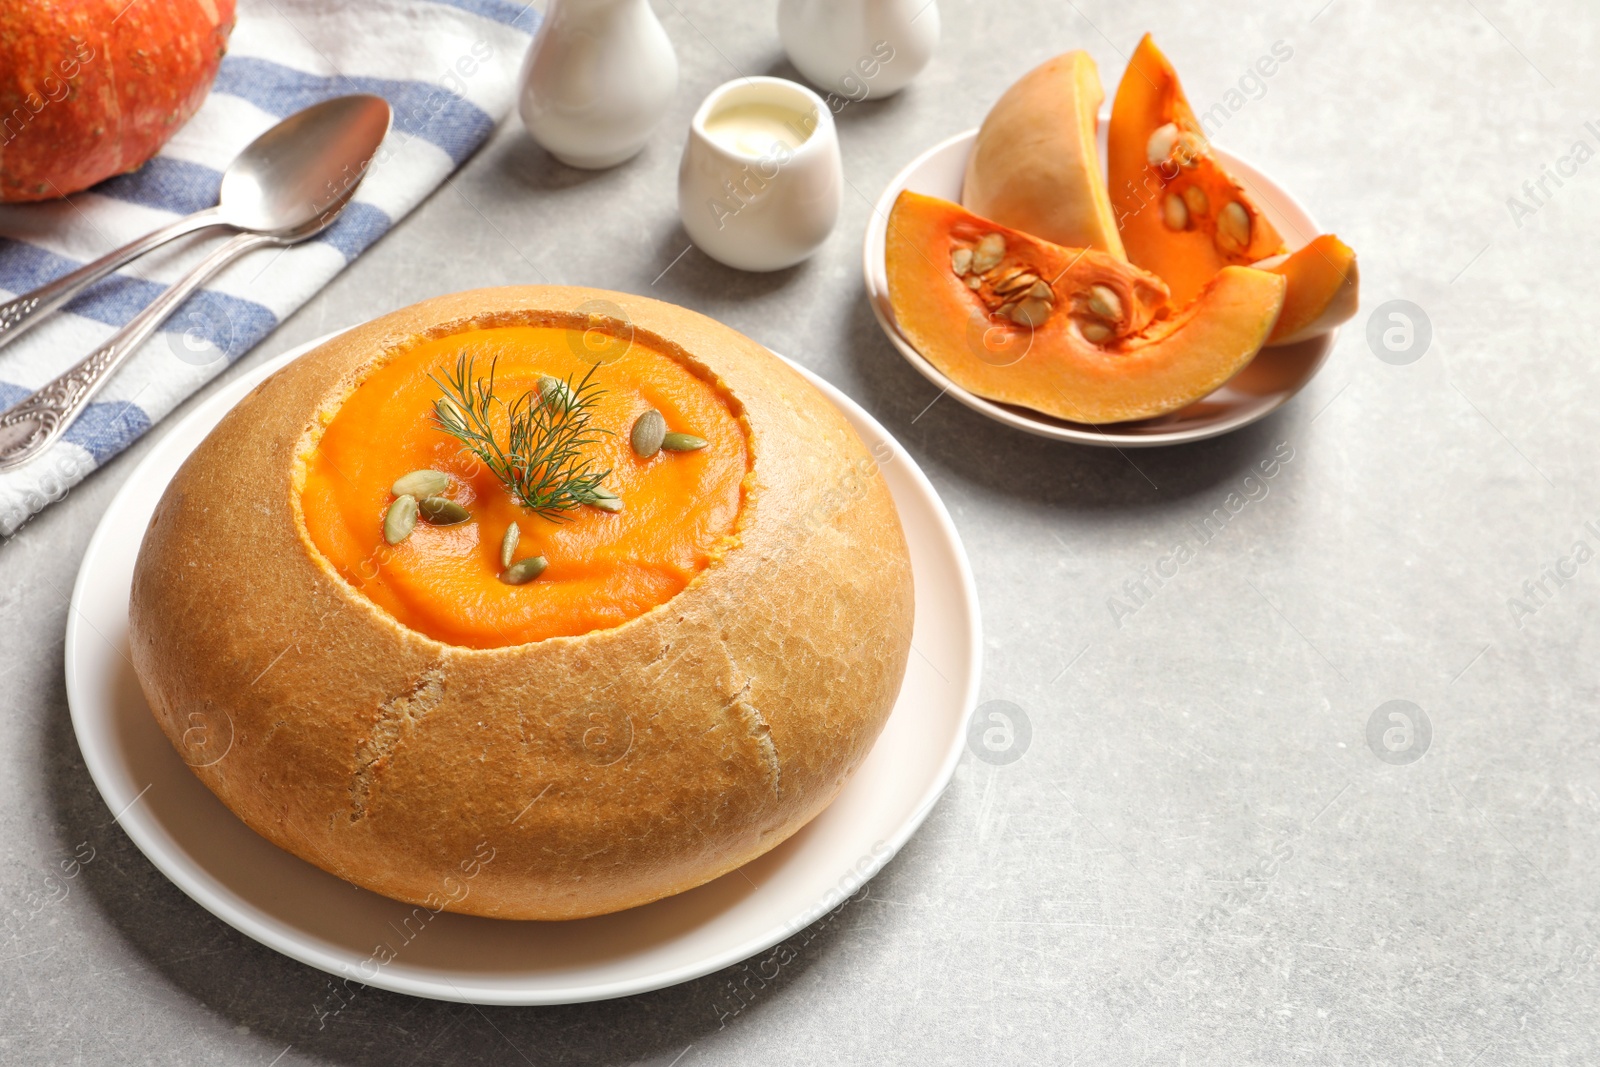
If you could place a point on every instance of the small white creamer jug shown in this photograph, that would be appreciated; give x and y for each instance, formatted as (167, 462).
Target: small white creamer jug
(760, 182)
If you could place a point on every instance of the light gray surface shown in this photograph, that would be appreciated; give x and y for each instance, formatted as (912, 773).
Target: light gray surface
(1198, 859)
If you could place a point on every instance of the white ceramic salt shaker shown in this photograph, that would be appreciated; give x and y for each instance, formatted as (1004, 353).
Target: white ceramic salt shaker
(760, 182)
(859, 49)
(597, 79)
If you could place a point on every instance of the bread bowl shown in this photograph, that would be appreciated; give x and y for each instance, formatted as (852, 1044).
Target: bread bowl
(629, 739)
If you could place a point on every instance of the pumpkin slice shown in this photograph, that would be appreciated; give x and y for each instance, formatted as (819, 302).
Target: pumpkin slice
(1324, 289)
(1071, 332)
(1180, 213)
(1036, 164)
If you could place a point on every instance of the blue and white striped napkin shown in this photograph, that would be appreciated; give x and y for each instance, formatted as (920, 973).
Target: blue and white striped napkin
(448, 69)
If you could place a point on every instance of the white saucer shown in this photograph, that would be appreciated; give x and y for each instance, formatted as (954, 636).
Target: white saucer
(318, 919)
(1275, 375)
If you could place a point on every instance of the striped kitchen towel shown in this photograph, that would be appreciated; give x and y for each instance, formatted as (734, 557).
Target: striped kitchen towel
(448, 69)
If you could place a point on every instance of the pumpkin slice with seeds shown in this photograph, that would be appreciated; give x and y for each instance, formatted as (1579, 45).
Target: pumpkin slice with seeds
(1180, 213)
(1072, 332)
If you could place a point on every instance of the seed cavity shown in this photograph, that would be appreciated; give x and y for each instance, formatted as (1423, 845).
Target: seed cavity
(1233, 228)
(420, 484)
(508, 545)
(524, 570)
(400, 519)
(442, 512)
(1014, 292)
(1174, 213)
(673, 441)
(649, 430)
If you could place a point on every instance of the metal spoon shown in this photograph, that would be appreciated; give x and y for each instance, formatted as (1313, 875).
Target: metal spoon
(37, 421)
(303, 163)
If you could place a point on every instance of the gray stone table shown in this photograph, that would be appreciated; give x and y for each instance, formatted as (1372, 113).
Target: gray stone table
(1200, 859)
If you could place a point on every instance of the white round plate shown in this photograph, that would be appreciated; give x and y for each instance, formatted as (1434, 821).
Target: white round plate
(1267, 383)
(303, 912)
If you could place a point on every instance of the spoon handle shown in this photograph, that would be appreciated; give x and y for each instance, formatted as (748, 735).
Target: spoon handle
(22, 312)
(38, 420)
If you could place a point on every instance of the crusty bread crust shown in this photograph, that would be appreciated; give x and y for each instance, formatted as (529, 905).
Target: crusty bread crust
(597, 772)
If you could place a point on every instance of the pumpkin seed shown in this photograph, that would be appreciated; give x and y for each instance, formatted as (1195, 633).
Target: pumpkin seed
(420, 484)
(1196, 200)
(1094, 332)
(1159, 148)
(449, 414)
(553, 392)
(1005, 310)
(1016, 283)
(682, 442)
(1031, 312)
(1104, 301)
(990, 251)
(961, 260)
(524, 570)
(1233, 227)
(442, 512)
(1174, 213)
(1191, 149)
(973, 281)
(508, 545)
(400, 519)
(1042, 290)
(648, 430)
(599, 498)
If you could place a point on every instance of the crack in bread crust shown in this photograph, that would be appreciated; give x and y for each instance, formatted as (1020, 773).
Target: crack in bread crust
(396, 717)
(755, 724)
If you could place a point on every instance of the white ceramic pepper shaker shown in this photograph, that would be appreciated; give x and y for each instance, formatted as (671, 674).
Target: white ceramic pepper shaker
(859, 49)
(597, 79)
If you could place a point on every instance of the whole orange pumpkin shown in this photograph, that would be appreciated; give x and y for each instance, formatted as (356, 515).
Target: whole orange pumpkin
(92, 88)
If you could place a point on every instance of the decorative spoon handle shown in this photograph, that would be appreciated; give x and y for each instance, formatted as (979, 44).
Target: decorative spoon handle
(22, 312)
(39, 419)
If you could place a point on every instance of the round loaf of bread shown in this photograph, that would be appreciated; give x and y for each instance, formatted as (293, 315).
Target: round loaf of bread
(558, 778)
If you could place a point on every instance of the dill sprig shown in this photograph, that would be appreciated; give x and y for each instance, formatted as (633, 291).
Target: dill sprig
(542, 462)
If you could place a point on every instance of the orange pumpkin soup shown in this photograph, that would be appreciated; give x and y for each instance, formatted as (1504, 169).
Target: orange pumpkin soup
(679, 511)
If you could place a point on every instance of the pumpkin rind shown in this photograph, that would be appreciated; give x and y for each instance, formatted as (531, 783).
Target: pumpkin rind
(1036, 163)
